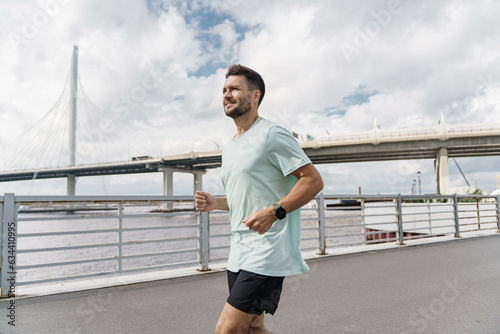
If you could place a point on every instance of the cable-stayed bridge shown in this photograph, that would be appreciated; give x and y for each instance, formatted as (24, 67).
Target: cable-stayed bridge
(50, 148)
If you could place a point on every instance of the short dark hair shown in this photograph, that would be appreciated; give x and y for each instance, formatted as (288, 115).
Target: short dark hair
(254, 79)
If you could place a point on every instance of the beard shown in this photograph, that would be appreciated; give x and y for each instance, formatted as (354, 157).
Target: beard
(241, 109)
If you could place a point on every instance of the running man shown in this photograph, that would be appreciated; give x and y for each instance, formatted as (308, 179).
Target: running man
(267, 177)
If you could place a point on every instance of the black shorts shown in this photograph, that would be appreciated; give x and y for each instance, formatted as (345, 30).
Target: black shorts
(253, 293)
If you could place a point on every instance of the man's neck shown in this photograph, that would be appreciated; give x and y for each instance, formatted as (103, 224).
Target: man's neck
(243, 123)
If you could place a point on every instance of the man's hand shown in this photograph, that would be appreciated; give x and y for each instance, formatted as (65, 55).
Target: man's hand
(261, 221)
(204, 201)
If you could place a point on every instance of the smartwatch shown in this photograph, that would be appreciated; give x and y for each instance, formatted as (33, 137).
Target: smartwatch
(279, 211)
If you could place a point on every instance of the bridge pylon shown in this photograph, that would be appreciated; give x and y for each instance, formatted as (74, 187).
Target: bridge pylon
(71, 179)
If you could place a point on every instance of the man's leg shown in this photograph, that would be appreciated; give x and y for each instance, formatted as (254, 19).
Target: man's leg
(257, 326)
(234, 321)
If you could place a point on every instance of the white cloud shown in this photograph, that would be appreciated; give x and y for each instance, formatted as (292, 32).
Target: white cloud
(141, 62)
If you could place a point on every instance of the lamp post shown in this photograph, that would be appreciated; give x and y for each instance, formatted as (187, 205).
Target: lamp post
(419, 184)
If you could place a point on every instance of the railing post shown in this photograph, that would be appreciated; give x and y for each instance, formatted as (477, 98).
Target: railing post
(363, 221)
(399, 215)
(321, 225)
(478, 214)
(204, 240)
(457, 218)
(498, 213)
(1, 244)
(120, 237)
(8, 247)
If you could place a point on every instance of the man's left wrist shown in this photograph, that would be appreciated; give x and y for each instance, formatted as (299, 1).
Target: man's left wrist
(279, 211)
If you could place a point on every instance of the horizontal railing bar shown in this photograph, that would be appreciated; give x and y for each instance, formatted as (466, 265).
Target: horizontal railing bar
(220, 224)
(170, 252)
(476, 223)
(427, 211)
(343, 208)
(381, 223)
(472, 217)
(440, 212)
(480, 216)
(220, 235)
(409, 230)
(417, 221)
(154, 214)
(76, 247)
(49, 234)
(343, 226)
(392, 206)
(344, 235)
(153, 228)
(219, 247)
(66, 263)
(380, 215)
(56, 218)
(309, 238)
(340, 217)
(153, 241)
(101, 199)
(427, 220)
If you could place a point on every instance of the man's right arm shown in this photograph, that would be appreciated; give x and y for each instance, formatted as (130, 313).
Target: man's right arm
(207, 202)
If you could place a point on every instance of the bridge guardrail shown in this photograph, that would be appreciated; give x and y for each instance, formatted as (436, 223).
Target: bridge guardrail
(47, 239)
(442, 132)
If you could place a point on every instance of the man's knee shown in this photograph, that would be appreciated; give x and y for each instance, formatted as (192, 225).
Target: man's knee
(259, 330)
(229, 326)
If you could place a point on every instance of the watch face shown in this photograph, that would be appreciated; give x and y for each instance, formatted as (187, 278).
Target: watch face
(280, 213)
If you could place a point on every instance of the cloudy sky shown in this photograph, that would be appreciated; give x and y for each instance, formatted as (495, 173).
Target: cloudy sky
(152, 73)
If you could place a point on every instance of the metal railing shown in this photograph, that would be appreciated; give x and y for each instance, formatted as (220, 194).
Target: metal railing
(47, 239)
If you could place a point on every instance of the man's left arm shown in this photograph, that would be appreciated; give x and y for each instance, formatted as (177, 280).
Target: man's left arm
(309, 184)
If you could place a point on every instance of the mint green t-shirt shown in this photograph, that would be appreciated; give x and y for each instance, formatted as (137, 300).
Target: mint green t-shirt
(256, 173)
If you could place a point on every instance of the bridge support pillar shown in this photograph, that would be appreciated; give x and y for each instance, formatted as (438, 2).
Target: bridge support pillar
(442, 172)
(168, 186)
(71, 185)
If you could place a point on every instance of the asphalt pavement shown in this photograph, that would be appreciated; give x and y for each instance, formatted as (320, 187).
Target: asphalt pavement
(446, 287)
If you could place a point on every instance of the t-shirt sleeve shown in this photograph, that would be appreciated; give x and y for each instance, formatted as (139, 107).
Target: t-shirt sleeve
(284, 151)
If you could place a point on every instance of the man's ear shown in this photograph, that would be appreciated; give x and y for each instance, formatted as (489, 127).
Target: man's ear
(256, 96)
